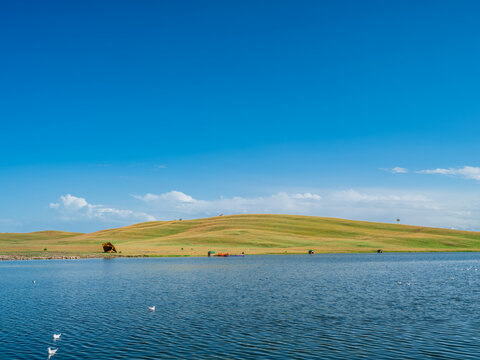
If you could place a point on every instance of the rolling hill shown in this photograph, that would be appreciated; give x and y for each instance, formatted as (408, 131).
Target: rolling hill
(253, 234)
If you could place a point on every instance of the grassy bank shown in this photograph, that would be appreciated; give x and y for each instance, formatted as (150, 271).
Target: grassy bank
(253, 234)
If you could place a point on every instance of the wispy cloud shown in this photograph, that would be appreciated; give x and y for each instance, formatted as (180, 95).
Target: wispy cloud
(307, 196)
(396, 170)
(181, 204)
(7, 221)
(171, 196)
(399, 170)
(468, 172)
(413, 207)
(355, 196)
(440, 209)
(76, 208)
(10, 225)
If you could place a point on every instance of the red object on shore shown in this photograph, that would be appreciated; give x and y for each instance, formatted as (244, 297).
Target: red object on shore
(223, 254)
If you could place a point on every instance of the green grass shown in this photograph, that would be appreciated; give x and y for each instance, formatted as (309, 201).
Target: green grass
(254, 234)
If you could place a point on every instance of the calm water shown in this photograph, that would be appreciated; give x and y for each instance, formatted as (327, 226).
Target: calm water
(258, 307)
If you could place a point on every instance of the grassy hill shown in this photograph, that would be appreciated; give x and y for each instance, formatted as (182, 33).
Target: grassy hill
(253, 234)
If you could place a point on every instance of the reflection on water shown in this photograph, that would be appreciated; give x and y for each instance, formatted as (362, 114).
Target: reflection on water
(378, 306)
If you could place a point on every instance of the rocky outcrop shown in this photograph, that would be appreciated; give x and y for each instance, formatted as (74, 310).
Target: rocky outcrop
(108, 247)
(42, 257)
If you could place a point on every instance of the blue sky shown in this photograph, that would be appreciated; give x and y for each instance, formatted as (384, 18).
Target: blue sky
(115, 112)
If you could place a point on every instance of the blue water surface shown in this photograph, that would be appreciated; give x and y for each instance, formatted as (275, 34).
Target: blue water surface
(370, 306)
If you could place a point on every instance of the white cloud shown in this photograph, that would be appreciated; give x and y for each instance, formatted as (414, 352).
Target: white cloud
(439, 209)
(447, 210)
(468, 172)
(7, 221)
(355, 196)
(180, 204)
(307, 196)
(399, 170)
(72, 202)
(396, 170)
(171, 196)
(76, 208)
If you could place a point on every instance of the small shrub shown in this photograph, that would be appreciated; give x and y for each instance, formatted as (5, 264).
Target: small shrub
(45, 249)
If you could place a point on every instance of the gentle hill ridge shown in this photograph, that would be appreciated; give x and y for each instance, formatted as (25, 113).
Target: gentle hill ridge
(45, 234)
(254, 234)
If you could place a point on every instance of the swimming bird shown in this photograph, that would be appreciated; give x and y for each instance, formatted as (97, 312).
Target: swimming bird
(56, 336)
(151, 308)
(51, 351)
(34, 282)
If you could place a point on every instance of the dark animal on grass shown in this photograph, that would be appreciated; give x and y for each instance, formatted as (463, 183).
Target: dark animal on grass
(108, 247)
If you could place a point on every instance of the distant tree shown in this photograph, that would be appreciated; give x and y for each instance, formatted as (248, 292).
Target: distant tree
(398, 220)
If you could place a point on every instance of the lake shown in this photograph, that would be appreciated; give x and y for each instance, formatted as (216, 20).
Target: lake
(344, 306)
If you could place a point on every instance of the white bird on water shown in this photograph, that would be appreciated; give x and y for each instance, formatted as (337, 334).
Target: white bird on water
(34, 282)
(56, 336)
(51, 351)
(151, 308)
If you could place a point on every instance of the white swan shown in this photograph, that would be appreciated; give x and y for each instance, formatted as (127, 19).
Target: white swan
(56, 336)
(151, 308)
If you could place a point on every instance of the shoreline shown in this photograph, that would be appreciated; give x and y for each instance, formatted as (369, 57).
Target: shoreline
(4, 257)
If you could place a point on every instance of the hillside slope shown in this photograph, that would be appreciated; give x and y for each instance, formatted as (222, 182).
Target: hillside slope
(253, 234)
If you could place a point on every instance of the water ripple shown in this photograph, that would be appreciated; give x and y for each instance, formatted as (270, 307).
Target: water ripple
(389, 306)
